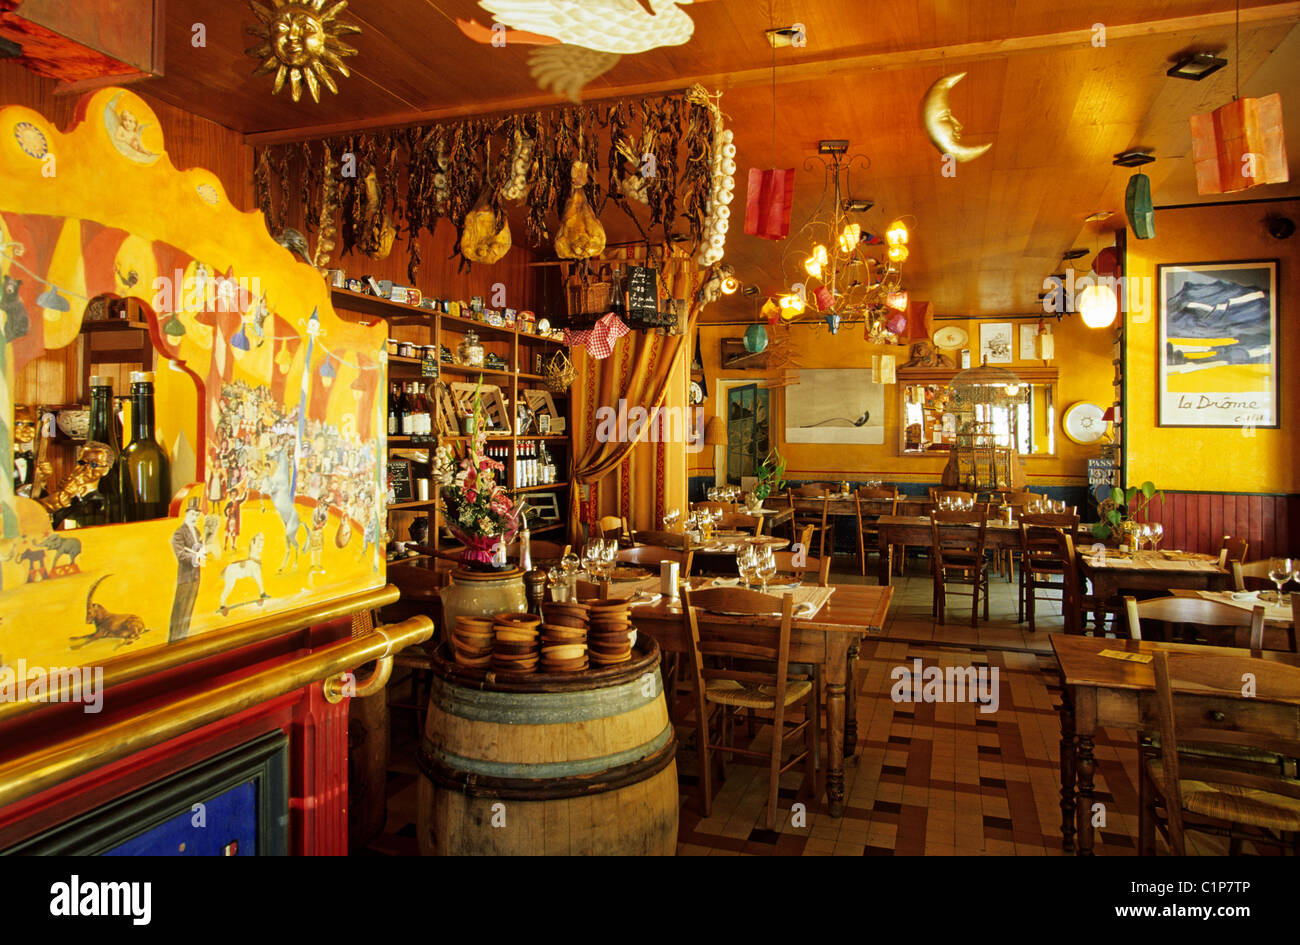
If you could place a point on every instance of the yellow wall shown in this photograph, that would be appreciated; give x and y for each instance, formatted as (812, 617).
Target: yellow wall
(1083, 358)
(1211, 460)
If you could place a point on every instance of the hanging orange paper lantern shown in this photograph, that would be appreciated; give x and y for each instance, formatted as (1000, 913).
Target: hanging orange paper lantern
(767, 205)
(1240, 145)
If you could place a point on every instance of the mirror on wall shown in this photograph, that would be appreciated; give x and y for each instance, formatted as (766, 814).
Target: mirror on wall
(932, 423)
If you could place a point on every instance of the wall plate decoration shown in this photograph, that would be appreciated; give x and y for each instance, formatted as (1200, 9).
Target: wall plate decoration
(1083, 423)
(951, 337)
(696, 393)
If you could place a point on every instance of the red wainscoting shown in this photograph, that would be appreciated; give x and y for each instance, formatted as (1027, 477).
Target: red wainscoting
(1197, 521)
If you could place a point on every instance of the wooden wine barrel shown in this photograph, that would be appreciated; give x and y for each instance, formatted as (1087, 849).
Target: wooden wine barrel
(549, 764)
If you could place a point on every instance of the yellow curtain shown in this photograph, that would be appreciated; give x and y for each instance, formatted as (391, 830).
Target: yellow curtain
(636, 478)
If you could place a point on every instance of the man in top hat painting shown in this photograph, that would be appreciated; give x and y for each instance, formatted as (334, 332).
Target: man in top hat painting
(187, 544)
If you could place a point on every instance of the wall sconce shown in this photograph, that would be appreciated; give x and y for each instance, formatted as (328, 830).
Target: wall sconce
(1196, 66)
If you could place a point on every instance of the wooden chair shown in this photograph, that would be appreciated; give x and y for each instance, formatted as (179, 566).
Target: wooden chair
(1194, 611)
(540, 550)
(1232, 549)
(1041, 567)
(739, 521)
(803, 565)
(1215, 793)
(872, 502)
(816, 517)
(612, 526)
(652, 555)
(957, 544)
(741, 666)
(661, 539)
(1256, 572)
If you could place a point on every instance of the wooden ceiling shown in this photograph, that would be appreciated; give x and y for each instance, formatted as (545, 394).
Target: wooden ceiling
(1056, 108)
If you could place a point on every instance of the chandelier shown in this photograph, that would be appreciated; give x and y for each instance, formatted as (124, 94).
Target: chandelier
(835, 273)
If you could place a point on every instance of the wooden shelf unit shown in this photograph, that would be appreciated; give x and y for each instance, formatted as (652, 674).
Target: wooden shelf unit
(424, 326)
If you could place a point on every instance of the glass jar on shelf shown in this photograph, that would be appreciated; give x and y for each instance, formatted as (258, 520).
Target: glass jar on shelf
(470, 350)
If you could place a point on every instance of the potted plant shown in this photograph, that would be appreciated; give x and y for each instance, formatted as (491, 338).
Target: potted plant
(770, 475)
(1123, 505)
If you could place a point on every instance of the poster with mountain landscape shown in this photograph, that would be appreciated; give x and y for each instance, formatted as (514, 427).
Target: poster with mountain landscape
(1218, 349)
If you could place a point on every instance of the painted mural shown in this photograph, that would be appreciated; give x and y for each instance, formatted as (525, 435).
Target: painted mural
(270, 398)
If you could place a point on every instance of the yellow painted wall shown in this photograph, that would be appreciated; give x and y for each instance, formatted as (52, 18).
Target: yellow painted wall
(1211, 460)
(1083, 357)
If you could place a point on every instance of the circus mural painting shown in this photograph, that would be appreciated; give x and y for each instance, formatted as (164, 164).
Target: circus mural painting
(267, 402)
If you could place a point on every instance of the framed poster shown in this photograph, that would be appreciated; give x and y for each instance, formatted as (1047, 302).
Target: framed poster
(835, 406)
(996, 343)
(1217, 355)
(1028, 342)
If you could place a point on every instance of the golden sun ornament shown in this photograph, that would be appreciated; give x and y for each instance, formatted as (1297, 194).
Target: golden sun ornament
(300, 42)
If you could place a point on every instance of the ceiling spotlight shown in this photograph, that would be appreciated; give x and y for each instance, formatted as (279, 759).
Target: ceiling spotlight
(1133, 158)
(833, 146)
(1196, 66)
(1074, 254)
(1098, 216)
(1280, 228)
(857, 206)
(783, 37)
(750, 290)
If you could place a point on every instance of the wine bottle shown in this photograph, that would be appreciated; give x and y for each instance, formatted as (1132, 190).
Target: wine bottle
(406, 412)
(146, 471)
(394, 418)
(104, 505)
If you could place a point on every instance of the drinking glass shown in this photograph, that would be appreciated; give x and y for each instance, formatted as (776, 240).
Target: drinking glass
(766, 569)
(1155, 531)
(609, 558)
(1280, 571)
(591, 553)
(747, 565)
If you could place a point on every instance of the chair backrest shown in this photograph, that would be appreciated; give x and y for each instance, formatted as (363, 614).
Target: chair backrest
(875, 501)
(1254, 571)
(1194, 610)
(662, 539)
(957, 534)
(719, 641)
(652, 555)
(818, 567)
(741, 521)
(714, 506)
(803, 539)
(814, 490)
(1038, 531)
(612, 526)
(1201, 676)
(1232, 548)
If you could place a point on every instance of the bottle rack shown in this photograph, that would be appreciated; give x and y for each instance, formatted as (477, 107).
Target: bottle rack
(519, 350)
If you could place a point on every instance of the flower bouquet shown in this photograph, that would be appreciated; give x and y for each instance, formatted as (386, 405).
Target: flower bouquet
(475, 507)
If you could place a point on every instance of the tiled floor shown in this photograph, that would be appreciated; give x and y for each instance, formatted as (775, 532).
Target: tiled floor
(927, 778)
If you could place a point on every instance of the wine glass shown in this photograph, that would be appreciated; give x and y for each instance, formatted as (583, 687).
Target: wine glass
(557, 579)
(671, 518)
(608, 558)
(1280, 571)
(766, 569)
(746, 565)
(591, 554)
(1155, 531)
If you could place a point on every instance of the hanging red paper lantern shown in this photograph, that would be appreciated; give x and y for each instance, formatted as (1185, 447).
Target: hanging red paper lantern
(767, 207)
(1240, 145)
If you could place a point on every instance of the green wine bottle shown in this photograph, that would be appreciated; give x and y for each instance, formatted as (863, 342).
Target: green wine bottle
(104, 505)
(147, 473)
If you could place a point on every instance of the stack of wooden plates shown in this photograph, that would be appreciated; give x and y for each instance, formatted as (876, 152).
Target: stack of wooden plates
(610, 633)
(564, 649)
(471, 640)
(516, 647)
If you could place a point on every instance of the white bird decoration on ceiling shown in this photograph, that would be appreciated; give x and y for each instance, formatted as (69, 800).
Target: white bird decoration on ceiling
(587, 36)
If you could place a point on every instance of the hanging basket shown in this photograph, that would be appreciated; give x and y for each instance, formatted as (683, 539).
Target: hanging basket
(558, 374)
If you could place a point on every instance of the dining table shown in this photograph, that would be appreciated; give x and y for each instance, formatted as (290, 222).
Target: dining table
(828, 636)
(1279, 619)
(1115, 572)
(1110, 683)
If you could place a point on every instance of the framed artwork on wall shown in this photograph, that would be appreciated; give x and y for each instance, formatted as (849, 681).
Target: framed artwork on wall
(1217, 345)
(835, 406)
(996, 343)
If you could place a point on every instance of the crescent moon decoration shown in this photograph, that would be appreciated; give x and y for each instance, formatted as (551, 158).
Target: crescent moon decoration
(942, 126)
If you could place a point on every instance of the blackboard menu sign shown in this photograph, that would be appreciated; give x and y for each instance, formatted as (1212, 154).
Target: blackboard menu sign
(399, 480)
(642, 292)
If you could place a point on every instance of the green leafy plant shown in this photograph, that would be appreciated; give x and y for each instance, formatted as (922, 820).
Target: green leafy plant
(771, 474)
(1123, 505)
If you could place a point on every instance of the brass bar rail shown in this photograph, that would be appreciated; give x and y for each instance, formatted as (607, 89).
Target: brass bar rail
(160, 658)
(72, 757)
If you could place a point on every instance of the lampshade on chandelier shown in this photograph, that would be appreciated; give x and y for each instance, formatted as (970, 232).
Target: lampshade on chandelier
(828, 268)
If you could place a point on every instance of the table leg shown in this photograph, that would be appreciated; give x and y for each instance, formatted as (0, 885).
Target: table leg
(1085, 764)
(836, 667)
(1067, 771)
(882, 575)
(851, 701)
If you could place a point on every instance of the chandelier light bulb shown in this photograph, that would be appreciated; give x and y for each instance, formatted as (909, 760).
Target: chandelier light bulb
(896, 235)
(850, 238)
(730, 284)
(816, 261)
(897, 253)
(1098, 306)
(791, 306)
(897, 301)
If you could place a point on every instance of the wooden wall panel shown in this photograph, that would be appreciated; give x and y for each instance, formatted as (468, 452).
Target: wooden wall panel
(1197, 521)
